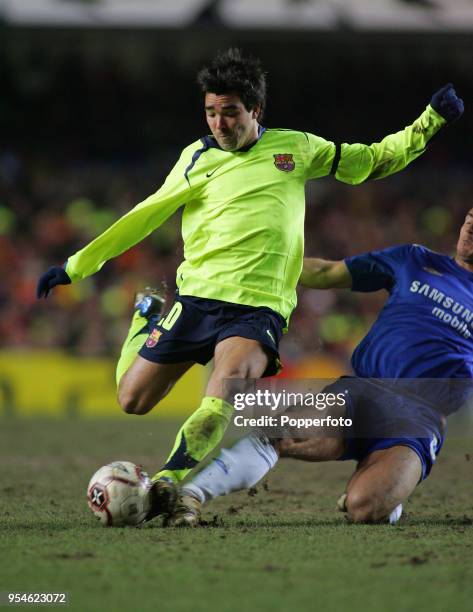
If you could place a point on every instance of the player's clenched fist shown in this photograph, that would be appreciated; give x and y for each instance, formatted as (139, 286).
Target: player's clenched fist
(446, 102)
(54, 276)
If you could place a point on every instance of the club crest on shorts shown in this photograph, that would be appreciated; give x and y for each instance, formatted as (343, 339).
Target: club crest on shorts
(153, 338)
(284, 162)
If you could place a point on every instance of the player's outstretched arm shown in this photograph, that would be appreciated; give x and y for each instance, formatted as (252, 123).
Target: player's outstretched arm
(322, 274)
(359, 162)
(124, 233)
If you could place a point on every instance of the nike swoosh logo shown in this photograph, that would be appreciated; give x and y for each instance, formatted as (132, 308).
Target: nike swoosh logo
(209, 174)
(271, 336)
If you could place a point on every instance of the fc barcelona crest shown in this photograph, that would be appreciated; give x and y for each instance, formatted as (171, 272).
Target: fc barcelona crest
(284, 162)
(153, 338)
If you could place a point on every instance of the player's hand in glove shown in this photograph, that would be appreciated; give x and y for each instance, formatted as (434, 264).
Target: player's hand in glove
(447, 104)
(54, 276)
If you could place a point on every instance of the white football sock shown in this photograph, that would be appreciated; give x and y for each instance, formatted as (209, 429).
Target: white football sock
(236, 468)
(395, 515)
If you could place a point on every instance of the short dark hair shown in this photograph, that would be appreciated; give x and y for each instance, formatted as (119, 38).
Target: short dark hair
(231, 71)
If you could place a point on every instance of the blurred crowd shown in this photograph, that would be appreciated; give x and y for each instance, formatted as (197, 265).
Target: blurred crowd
(49, 210)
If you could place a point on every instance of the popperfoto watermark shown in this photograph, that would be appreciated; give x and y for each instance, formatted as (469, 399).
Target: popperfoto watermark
(286, 420)
(290, 409)
(351, 407)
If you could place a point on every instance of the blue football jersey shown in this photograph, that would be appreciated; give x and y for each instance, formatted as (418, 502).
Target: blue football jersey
(425, 329)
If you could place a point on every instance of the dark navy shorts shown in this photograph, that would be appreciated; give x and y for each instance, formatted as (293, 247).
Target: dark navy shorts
(383, 418)
(194, 326)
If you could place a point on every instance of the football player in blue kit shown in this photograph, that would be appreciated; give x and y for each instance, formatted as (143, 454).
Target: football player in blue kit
(421, 339)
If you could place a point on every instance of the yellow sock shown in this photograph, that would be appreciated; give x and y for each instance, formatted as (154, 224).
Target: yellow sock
(200, 434)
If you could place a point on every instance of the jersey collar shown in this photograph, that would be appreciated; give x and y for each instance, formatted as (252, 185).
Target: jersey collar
(211, 143)
(462, 270)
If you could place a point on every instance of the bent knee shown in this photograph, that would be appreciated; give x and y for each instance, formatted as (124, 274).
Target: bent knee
(363, 508)
(132, 403)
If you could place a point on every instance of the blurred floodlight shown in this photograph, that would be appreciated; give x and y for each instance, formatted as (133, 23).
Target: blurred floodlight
(428, 15)
(279, 14)
(357, 14)
(102, 13)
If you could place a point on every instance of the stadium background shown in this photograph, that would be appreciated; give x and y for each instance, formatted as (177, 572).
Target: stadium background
(94, 112)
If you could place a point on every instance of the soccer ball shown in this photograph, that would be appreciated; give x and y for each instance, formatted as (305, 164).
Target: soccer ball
(118, 494)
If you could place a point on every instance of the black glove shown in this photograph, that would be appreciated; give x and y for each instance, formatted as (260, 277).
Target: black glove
(446, 102)
(54, 276)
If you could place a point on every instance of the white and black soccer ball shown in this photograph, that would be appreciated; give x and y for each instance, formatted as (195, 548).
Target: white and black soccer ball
(119, 494)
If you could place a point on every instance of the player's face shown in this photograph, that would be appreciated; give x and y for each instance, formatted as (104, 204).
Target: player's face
(465, 240)
(231, 124)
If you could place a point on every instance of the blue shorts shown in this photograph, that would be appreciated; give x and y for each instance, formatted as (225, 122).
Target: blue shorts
(194, 326)
(383, 419)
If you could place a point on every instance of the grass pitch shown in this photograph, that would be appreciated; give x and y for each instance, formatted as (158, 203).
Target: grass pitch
(281, 548)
